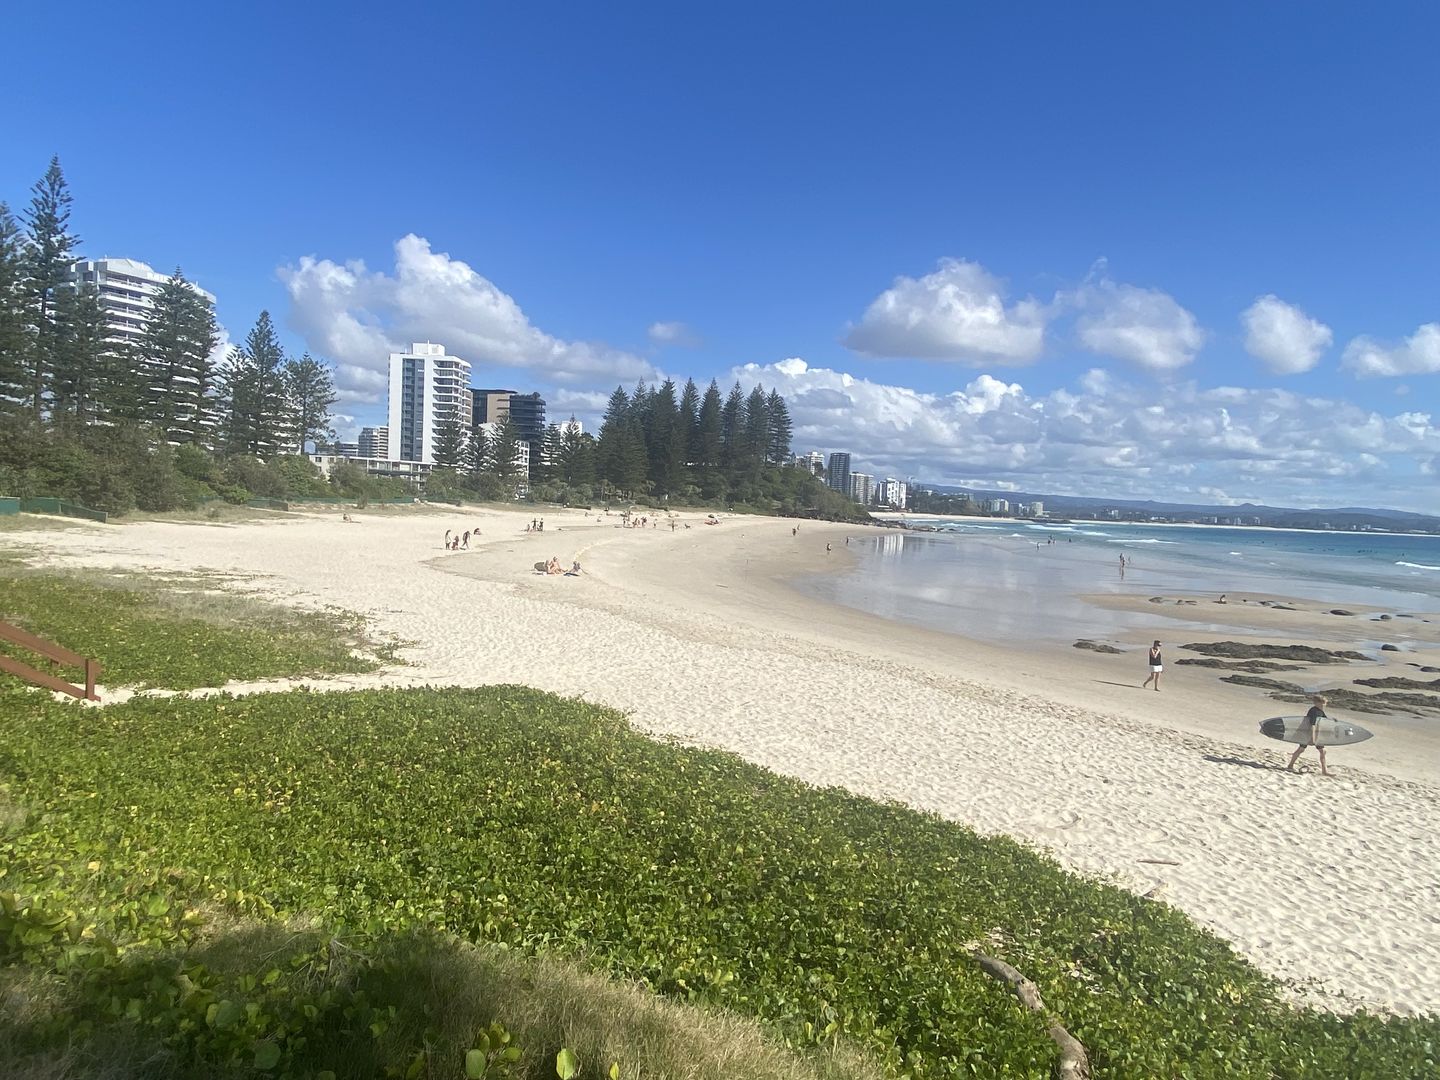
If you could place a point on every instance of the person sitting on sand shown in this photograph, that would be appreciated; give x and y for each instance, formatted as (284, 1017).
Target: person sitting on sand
(1222, 599)
(574, 570)
(1312, 721)
(553, 566)
(1157, 665)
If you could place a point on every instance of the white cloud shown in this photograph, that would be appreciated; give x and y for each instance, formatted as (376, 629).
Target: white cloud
(356, 317)
(957, 313)
(346, 427)
(1419, 355)
(673, 333)
(1282, 337)
(1144, 326)
(1105, 436)
(586, 405)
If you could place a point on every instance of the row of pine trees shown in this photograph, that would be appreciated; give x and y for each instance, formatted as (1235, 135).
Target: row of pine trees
(651, 442)
(650, 438)
(60, 367)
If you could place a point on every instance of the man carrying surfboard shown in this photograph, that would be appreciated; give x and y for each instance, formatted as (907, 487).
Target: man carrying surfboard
(1312, 719)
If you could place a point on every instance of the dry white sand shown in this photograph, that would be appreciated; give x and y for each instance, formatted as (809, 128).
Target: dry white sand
(1331, 883)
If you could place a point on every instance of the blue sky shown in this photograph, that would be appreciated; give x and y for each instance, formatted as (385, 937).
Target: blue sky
(1112, 249)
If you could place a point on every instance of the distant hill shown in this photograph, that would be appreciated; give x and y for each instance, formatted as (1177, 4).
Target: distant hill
(1345, 517)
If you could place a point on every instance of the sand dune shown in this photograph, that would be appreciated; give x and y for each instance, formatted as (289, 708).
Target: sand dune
(1330, 883)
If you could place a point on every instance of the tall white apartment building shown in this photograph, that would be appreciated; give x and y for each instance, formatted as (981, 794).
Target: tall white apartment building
(427, 387)
(891, 492)
(127, 290)
(862, 487)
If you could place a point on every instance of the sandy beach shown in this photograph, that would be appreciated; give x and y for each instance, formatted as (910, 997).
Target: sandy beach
(695, 633)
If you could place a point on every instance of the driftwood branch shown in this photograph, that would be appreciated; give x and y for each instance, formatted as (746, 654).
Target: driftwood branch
(1074, 1064)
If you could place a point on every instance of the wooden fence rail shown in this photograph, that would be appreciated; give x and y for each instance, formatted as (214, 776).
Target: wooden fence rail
(50, 651)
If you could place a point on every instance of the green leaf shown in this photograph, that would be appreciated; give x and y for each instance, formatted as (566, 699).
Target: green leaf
(567, 1065)
(267, 1055)
(474, 1064)
(224, 1015)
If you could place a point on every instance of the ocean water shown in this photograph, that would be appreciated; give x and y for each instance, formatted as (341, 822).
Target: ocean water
(1006, 581)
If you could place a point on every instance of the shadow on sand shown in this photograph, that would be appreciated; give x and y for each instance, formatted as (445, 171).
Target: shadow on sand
(1247, 762)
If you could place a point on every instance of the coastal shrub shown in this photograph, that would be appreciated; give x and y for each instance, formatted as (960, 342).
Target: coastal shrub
(176, 638)
(260, 478)
(301, 476)
(512, 817)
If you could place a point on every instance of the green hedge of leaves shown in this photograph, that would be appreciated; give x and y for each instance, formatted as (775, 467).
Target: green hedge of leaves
(512, 816)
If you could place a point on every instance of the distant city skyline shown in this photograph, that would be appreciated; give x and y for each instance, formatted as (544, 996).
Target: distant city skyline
(1138, 252)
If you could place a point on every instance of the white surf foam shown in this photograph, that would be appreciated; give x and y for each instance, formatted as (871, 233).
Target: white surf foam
(1418, 565)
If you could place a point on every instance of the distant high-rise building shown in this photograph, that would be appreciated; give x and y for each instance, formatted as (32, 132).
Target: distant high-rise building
(528, 413)
(490, 406)
(815, 462)
(127, 291)
(998, 506)
(862, 487)
(374, 442)
(338, 449)
(427, 388)
(838, 476)
(1037, 509)
(891, 493)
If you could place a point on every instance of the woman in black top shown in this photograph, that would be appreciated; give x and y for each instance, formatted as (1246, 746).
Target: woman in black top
(1157, 665)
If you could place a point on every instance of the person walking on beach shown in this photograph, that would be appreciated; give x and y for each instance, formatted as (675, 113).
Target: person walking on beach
(1312, 720)
(1157, 665)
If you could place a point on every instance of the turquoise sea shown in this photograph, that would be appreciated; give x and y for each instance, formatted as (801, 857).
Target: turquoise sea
(1014, 581)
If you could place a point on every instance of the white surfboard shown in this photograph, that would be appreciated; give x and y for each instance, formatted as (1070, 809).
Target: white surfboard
(1328, 731)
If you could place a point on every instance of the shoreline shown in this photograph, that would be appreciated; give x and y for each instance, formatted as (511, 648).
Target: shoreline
(697, 635)
(905, 515)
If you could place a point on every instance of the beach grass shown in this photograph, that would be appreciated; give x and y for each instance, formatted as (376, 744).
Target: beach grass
(180, 631)
(513, 818)
(409, 999)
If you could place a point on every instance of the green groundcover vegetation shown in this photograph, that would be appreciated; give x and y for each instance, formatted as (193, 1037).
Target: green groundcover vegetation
(177, 633)
(510, 816)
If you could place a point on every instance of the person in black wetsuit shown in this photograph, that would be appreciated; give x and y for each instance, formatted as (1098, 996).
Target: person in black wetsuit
(1312, 718)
